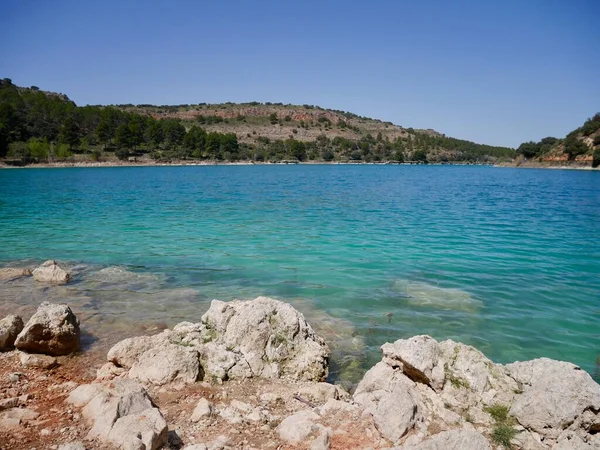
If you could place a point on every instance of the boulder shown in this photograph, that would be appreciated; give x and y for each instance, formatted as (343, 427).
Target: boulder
(10, 273)
(52, 330)
(262, 338)
(421, 382)
(268, 338)
(146, 430)
(555, 395)
(37, 361)
(460, 439)
(10, 327)
(51, 272)
(392, 399)
(121, 413)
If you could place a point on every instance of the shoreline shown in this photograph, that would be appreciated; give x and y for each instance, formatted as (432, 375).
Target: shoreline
(104, 164)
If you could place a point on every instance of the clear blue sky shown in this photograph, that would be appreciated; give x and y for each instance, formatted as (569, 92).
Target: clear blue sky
(497, 72)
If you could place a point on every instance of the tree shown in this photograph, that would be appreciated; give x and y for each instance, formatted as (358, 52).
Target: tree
(574, 147)
(104, 131)
(174, 132)
(529, 149)
(297, 149)
(155, 132)
(420, 156)
(69, 133)
(596, 158)
(124, 137)
(273, 118)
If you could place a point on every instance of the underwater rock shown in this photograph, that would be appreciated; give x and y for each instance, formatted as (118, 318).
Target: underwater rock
(51, 272)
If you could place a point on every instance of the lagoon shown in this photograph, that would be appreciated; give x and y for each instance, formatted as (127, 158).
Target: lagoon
(507, 260)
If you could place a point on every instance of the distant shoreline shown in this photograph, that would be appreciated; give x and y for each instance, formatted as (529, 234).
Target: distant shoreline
(86, 164)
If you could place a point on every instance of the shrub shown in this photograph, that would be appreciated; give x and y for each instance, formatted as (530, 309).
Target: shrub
(596, 163)
(502, 434)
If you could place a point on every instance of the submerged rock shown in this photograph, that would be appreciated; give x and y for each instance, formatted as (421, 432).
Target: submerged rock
(11, 273)
(262, 338)
(427, 295)
(10, 327)
(52, 330)
(51, 272)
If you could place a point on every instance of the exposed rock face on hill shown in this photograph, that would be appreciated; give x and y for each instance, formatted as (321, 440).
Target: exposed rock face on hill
(242, 339)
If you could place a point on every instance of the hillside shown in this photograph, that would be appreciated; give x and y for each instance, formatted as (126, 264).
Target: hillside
(39, 126)
(580, 147)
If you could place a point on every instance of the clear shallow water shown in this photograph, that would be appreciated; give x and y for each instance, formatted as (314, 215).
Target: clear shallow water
(507, 260)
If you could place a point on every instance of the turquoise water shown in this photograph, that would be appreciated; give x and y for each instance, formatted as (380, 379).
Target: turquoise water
(507, 260)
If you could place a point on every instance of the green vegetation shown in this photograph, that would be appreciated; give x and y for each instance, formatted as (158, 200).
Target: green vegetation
(503, 431)
(576, 143)
(38, 126)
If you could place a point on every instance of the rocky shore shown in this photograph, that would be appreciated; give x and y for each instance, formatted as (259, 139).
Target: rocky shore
(252, 374)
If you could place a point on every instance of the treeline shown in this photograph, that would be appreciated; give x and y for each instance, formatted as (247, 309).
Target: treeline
(37, 126)
(574, 144)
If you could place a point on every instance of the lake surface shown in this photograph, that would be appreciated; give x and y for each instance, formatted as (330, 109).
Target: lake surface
(507, 260)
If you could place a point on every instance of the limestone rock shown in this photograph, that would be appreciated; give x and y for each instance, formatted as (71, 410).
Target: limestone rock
(10, 273)
(146, 430)
(270, 338)
(555, 395)
(167, 363)
(52, 330)
(460, 439)
(37, 361)
(418, 358)
(392, 399)
(120, 412)
(202, 411)
(72, 446)
(51, 272)
(322, 392)
(10, 327)
(236, 340)
(296, 428)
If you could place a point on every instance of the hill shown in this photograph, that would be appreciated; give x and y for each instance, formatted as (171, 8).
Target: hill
(40, 126)
(580, 147)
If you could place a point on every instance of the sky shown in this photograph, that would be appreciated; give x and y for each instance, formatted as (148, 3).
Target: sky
(494, 72)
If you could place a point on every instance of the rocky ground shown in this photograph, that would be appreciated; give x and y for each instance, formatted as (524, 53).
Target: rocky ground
(251, 375)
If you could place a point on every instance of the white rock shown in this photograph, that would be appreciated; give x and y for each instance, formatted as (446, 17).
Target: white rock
(392, 399)
(296, 428)
(72, 446)
(10, 327)
(231, 415)
(146, 430)
(321, 392)
(51, 272)
(52, 330)
(418, 357)
(10, 273)
(453, 440)
(37, 361)
(105, 404)
(202, 411)
(555, 394)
